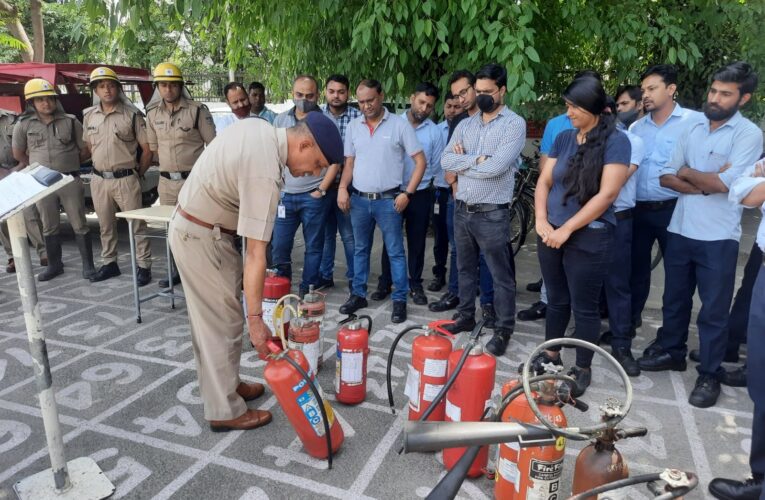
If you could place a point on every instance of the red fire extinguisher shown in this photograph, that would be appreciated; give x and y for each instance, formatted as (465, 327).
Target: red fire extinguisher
(351, 363)
(530, 471)
(467, 399)
(274, 288)
(302, 402)
(313, 307)
(305, 336)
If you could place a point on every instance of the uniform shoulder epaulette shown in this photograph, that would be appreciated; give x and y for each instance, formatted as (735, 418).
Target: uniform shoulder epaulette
(151, 106)
(88, 110)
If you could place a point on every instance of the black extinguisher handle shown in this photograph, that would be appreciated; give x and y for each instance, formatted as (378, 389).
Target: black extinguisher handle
(631, 432)
(369, 322)
(579, 405)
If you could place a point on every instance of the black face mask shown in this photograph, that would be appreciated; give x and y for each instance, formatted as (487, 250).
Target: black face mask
(486, 103)
(305, 106)
(627, 117)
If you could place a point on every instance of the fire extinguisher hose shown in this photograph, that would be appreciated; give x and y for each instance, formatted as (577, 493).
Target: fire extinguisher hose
(517, 391)
(644, 478)
(323, 410)
(390, 361)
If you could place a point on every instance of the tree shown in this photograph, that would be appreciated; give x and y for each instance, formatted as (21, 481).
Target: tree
(34, 50)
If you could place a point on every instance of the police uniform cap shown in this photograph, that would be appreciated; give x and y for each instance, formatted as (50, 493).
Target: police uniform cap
(326, 135)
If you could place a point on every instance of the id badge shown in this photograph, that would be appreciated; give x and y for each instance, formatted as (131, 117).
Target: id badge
(281, 211)
(436, 208)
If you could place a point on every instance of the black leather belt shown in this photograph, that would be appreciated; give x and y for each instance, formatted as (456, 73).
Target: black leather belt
(391, 193)
(656, 205)
(481, 207)
(624, 214)
(175, 176)
(117, 174)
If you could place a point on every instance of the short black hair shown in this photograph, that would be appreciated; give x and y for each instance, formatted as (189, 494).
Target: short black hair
(230, 86)
(371, 83)
(610, 105)
(462, 73)
(633, 91)
(342, 79)
(588, 72)
(428, 88)
(256, 85)
(495, 72)
(739, 72)
(667, 72)
(449, 95)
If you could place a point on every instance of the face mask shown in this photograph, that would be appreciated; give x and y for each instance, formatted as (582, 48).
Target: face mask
(627, 117)
(305, 106)
(242, 112)
(486, 103)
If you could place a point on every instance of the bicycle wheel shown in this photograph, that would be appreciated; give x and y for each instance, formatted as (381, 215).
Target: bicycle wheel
(517, 226)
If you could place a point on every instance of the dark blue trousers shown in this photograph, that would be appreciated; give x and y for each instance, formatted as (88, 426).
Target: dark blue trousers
(709, 266)
(738, 323)
(756, 382)
(440, 234)
(617, 286)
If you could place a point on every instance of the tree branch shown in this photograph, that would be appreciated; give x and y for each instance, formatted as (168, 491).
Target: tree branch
(10, 15)
(38, 30)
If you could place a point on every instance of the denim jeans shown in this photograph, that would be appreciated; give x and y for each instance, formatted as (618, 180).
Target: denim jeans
(365, 214)
(487, 233)
(755, 381)
(617, 286)
(574, 275)
(334, 221)
(485, 283)
(300, 208)
(441, 241)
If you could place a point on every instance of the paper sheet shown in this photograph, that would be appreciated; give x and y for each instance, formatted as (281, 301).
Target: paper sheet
(17, 188)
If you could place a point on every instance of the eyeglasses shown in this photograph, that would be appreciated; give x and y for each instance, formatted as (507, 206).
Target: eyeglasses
(463, 93)
(486, 92)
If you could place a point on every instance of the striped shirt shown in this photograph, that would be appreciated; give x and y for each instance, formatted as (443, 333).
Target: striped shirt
(501, 141)
(343, 120)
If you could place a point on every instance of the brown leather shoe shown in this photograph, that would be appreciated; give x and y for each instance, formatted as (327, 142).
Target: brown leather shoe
(250, 391)
(11, 267)
(251, 419)
(44, 261)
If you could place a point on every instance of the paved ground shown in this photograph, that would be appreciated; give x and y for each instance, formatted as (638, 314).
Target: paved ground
(128, 397)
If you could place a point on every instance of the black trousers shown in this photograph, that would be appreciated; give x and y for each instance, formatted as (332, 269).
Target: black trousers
(440, 233)
(755, 382)
(738, 322)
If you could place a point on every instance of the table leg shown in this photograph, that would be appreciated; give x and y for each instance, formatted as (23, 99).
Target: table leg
(133, 264)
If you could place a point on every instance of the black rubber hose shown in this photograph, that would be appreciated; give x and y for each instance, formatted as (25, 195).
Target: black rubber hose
(449, 485)
(323, 411)
(390, 361)
(630, 481)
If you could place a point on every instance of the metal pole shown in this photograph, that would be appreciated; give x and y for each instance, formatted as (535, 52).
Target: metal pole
(38, 350)
(133, 264)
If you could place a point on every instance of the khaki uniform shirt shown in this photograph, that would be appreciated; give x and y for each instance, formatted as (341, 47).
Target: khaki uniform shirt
(236, 181)
(114, 137)
(56, 145)
(6, 135)
(174, 137)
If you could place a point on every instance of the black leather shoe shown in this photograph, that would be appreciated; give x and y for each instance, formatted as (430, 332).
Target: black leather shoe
(436, 284)
(705, 393)
(326, 283)
(107, 271)
(729, 489)
(418, 296)
(538, 310)
(535, 286)
(660, 362)
(652, 349)
(734, 378)
(695, 355)
(446, 302)
(582, 378)
(624, 357)
(399, 312)
(489, 316)
(163, 283)
(143, 276)
(541, 359)
(461, 324)
(380, 294)
(498, 343)
(353, 304)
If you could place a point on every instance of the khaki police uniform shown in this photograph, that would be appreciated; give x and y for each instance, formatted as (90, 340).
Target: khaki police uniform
(31, 216)
(178, 137)
(113, 139)
(233, 189)
(56, 145)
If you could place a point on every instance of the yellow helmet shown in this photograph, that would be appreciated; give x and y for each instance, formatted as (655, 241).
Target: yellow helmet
(167, 72)
(103, 73)
(38, 87)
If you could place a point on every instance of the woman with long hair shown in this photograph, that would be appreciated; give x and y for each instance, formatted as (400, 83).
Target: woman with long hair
(586, 169)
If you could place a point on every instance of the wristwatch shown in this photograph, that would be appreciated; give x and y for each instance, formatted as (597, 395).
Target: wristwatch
(321, 191)
(408, 194)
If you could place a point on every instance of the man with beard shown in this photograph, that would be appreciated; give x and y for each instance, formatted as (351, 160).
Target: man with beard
(337, 108)
(629, 104)
(303, 199)
(257, 94)
(703, 235)
(237, 99)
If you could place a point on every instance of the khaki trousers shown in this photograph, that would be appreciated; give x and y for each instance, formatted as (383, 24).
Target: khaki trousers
(109, 195)
(211, 272)
(72, 198)
(168, 190)
(34, 232)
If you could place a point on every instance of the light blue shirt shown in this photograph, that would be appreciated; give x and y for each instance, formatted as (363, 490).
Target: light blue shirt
(714, 217)
(659, 142)
(439, 180)
(380, 154)
(740, 189)
(627, 194)
(432, 142)
(267, 115)
(222, 121)
(554, 127)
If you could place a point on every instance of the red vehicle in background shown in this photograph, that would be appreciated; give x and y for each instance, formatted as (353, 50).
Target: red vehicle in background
(71, 81)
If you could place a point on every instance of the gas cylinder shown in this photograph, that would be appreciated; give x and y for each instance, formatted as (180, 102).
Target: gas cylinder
(300, 405)
(530, 472)
(274, 288)
(304, 335)
(427, 374)
(351, 363)
(467, 399)
(313, 306)
(599, 463)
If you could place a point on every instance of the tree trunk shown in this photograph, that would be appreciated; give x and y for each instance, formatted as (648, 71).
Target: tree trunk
(13, 23)
(38, 30)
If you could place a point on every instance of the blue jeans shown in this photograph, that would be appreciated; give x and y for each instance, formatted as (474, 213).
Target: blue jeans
(364, 215)
(485, 282)
(335, 221)
(300, 208)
